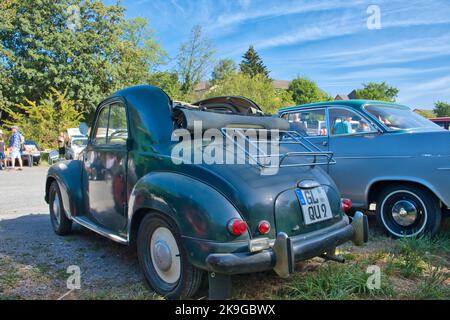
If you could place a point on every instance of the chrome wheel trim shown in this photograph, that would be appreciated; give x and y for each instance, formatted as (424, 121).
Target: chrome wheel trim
(425, 213)
(56, 205)
(404, 212)
(165, 255)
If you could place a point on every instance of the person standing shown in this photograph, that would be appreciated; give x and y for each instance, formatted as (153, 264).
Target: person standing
(2, 153)
(15, 145)
(62, 145)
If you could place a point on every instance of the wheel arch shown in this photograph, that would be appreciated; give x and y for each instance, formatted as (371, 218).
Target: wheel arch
(376, 186)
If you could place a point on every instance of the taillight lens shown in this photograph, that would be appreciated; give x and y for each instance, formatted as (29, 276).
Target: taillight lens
(237, 227)
(264, 227)
(346, 204)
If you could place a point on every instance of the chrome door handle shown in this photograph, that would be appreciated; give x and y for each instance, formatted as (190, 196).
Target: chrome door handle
(324, 143)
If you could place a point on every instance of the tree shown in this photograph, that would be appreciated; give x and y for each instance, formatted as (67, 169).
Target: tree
(85, 47)
(252, 64)
(425, 113)
(258, 88)
(442, 109)
(222, 69)
(136, 54)
(168, 81)
(377, 91)
(43, 121)
(304, 91)
(194, 59)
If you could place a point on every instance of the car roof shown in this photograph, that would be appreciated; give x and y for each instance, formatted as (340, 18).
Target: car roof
(357, 104)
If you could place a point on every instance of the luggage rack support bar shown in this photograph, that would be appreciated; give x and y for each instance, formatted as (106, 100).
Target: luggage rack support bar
(297, 139)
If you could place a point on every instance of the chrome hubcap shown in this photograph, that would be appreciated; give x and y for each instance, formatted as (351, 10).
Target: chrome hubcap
(57, 208)
(404, 212)
(165, 255)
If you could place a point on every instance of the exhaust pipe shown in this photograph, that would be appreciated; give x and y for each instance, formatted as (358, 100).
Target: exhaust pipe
(360, 224)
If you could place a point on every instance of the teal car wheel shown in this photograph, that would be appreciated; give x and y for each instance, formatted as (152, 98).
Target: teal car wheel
(60, 223)
(408, 211)
(163, 259)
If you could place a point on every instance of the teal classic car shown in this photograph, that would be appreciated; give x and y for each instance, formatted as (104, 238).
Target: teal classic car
(388, 159)
(190, 218)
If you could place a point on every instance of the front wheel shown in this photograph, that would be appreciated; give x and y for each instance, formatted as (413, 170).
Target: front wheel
(163, 259)
(60, 223)
(408, 211)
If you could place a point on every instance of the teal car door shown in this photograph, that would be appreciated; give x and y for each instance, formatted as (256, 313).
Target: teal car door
(354, 142)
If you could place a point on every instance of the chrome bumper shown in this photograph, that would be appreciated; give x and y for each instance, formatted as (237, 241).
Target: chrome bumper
(288, 250)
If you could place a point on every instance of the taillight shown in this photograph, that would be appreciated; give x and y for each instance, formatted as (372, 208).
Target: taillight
(237, 227)
(346, 204)
(264, 227)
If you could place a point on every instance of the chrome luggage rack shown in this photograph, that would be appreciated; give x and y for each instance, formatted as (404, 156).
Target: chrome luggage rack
(262, 158)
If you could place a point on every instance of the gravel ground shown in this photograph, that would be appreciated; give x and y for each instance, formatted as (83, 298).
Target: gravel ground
(34, 260)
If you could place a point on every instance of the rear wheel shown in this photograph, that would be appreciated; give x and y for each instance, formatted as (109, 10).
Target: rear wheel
(408, 211)
(163, 259)
(60, 223)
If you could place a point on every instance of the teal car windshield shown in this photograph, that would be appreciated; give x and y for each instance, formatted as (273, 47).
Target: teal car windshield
(400, 118)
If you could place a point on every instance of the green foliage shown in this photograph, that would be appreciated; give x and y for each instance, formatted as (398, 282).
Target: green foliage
(425, 113)
(252, 64)
(89, 52)
(223, 69)
(442, 109)
(433, 286)
(305, 91)
(377, 91)
(194, 59)
(258, 88)
(333, 281)
(43, 121)
(168, 81)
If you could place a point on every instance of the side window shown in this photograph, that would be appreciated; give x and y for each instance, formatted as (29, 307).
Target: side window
(118, 127)
(344, 122)
(101, 129)
(311, 122)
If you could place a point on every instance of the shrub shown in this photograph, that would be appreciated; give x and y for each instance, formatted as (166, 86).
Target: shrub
(42, 122)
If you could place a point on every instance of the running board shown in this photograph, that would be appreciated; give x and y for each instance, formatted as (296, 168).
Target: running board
(100, 230)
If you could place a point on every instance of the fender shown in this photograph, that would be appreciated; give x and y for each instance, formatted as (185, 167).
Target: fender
(420, 181)
(68, 175)
(199, 210)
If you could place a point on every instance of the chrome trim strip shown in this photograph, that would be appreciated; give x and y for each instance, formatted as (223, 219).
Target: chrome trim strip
(100, 230)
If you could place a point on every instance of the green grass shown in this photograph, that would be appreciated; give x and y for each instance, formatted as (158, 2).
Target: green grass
(334, 281)
(433, 287)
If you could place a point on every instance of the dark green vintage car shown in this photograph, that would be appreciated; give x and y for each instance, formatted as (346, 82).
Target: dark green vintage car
(186, 218)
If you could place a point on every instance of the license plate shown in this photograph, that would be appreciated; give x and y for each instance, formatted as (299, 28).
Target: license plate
(315, 205)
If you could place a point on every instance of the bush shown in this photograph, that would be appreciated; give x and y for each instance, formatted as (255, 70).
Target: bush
(42, 122)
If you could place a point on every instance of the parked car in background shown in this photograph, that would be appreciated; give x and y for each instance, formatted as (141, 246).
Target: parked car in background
(443, 122)
(76, 145)
(31, 152)
(394, 160)
(188, 217)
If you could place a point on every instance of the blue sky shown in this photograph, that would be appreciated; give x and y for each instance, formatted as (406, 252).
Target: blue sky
(327, 41)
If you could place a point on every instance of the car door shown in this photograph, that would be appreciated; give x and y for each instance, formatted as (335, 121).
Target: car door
(354, 140)
(312, 123)
(106, 166)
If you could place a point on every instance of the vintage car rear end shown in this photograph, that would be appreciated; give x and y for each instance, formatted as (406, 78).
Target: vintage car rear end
(165, 190)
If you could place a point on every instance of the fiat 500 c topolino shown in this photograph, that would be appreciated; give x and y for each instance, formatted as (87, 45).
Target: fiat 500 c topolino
(187, 219)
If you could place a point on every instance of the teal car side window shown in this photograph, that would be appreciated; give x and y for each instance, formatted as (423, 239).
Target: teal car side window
(347, 122)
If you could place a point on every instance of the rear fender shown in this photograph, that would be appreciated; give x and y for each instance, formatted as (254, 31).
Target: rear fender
(68, 175)
(199, 210)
